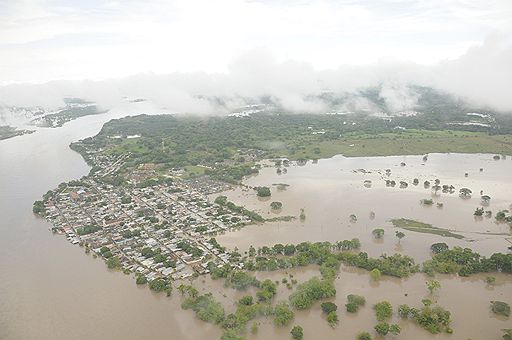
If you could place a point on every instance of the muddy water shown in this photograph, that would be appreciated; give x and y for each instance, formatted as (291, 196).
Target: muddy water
(50, 289)
(466, 298)
(331, 190)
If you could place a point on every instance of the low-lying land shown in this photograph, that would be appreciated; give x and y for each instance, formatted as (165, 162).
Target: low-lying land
(421, 227)
(9, 132)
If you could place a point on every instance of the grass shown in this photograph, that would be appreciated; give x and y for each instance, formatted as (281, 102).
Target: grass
(420, 227)
(194, 171)
(410, 142)
(128, 145)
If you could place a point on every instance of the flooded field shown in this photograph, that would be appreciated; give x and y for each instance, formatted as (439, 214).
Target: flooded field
(466, 298)
(333, 189)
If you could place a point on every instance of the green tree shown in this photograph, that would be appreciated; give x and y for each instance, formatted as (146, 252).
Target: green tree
(157, 285)
(283, 315)
(364, 336)
(206, 308)
(465, 193)
(383, 310)
(352, 307)
(267, 291)
(354, 302)
(310, 291)
(328, 307)
(246, 300)
(382, 328)
(297, 332)
(438, 248)
(500, 308)
(263, 191)
(400, 235)
(404, 311)
(375, 274)
(39, 208)
(490, 280)
(276, 205)
(395, 329)
(433, 286)
(378, 233)
(332, 318)
(113, 263)
(231, 335)
(141, 279)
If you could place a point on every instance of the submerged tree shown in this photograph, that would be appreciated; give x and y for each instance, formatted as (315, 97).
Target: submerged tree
(486, 199)
(302, 215)
(263, 191)
(465, 193)
(375, 274)
(500, 308)
(440, 247)
(378, 233)
(364, 336)
(276, 205)
(297, 333)
(433, 286)
(400, 235)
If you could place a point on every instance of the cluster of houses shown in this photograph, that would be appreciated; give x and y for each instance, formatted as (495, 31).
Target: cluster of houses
(162, 230)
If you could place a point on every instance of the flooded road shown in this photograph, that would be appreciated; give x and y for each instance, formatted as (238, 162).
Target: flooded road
(50, 289)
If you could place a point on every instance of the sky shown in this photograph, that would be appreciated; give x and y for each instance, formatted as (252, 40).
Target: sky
(43, 40)
(262, 45)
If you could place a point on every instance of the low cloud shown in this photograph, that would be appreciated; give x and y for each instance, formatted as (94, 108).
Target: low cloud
(482, 76)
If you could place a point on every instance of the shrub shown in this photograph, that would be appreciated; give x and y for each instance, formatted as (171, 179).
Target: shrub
(500, 308)
(383, 310)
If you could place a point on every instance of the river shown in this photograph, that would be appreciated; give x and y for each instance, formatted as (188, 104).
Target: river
(50, 289)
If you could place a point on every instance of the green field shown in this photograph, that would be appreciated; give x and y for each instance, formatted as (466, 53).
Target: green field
(410, 142)
(194, 171)
(420, 227)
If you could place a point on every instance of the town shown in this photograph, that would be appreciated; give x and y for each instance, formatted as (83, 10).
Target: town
(157, 226)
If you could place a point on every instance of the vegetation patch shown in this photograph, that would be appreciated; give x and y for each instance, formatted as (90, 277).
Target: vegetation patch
(434, 319)
(420, 227)
(310, 291)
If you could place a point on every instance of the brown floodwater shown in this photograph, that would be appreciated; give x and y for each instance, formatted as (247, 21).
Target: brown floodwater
(333, 189)
(466, 298)
(50, 289)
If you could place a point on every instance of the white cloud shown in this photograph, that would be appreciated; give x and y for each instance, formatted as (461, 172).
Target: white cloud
(235, 48)
(48, 39)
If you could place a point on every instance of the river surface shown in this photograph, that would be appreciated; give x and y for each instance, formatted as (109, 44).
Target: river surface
(49, 289)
